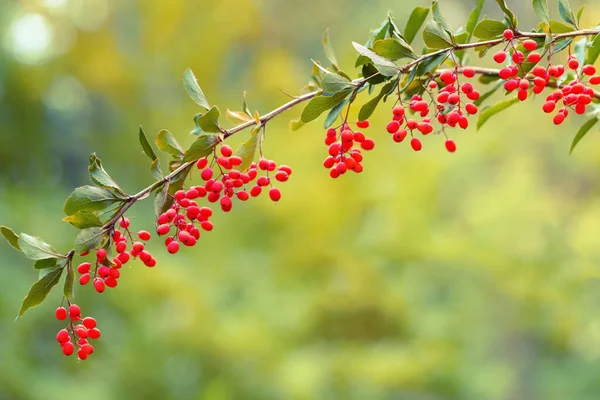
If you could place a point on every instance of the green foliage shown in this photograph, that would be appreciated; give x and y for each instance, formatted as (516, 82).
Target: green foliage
(247, 150)
(328, 50)
(489, 29)
(493, 110)
(90, 199)
(190, 83)
(100, 177)
(201, 147)
(333, 83)
(564, 9)
(209, 122)
(585, 128)
(88, 239)
(511, 19)
(35, 248)
(593, 50)
(541, 10)
(435, 37)
(415, 22)
(11, 237)
(38, 292)
(383, 65)
(320, 104)
(369, 107)
(166, 142)
(473, 19)
(83, 219)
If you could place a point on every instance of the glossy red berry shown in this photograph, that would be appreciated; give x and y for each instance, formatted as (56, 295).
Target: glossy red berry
(173, 247)
(363, 124)
(416, 144)
(450, 145)
(367, 144)
(101, 254)
(63, 336)
(84, 279)
(84, 268)
(61, 313)
(124, 222)
(74, 312)
(93, 333)
(68, 348)
(99, 285)
(500, 57)
(508, 34)
(530, 45)
(274, 194)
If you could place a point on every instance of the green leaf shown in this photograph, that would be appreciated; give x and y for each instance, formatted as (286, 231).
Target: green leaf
(561, 45)
(564, 9)
(559, 27)
(11, 237)
(487, 94)
(334, 113)
(35, 248)
(161, 198)
(583, 131)
(296, 124)
(435, 37)
(593, 50)
(238, 117)
(473, 18)
(69, 281)
(88, 239)
(579, 13)
(328, 49)
(146, 145)
(193, 89)
(167, 143)
(369, 107)
(383, 65)
(495, 109)
(201, 147)
(431, 63)
(393, 49)
(510, 17)
(247, 150)
(155, 169)
(46, 263)
(541, 10)
(320, 104)
(38, 292)
(209, 122)
(89, 198)
(489, 29)
(414, 23)
(333, 83)
(579, 50)
(439, 18)
(99, 176)
(83, 219)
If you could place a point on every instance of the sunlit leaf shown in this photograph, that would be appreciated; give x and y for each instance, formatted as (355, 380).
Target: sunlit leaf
(167, 143)
(495, 109)
(89, 198)
(190, 83)
(11, 236)
(38, 292)
(320, 104)
(585, 128)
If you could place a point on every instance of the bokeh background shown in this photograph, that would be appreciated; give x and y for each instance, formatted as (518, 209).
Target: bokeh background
(429, 276)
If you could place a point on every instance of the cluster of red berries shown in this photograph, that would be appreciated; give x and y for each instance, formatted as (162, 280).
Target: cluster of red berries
(106, 270)
(345, 149)
(450, 109)
(575, 95)
(510, 73)
(185, 212)
(76, 335)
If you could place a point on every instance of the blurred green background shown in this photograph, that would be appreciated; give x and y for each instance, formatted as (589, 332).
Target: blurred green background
(428, 276)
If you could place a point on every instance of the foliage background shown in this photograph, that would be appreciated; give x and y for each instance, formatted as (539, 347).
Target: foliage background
(429, 276)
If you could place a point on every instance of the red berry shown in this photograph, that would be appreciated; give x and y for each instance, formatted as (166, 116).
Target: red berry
(121, 246)
(68, 348)
(281, 176)
(367, 144)
(275, 194)
(548, 107)
(399, 136)
(202, 163)
(206, 174)
(471, 108)
(226, 151)
(61, 313)
(530, 45)
(74, 312)
(534, 57)
(573, 63)
(94, 333)
(589, 70)
(398, 111)
(450, 145)
(173, 247)
(226, 204)
(559, 118)
(163, 229)
(468, 72)
(508, 34)
(99, 285)
(84, 279)
(63, 336)
(101, 254)
(363, 124)
(104, 271)
(500, 57)
(82, 354)
(84, 268)
(416, 144)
